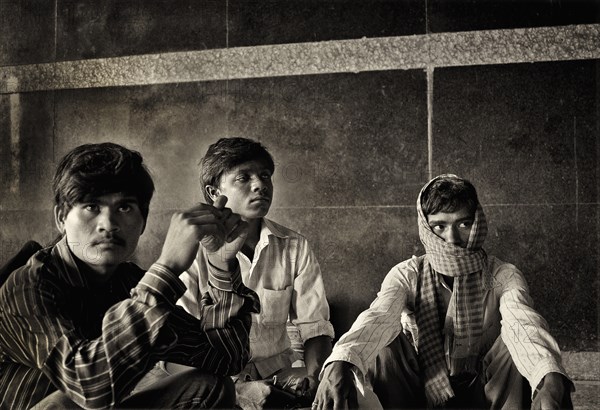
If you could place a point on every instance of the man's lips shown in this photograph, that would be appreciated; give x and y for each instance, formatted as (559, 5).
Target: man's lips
(261, 199)
(109, 241)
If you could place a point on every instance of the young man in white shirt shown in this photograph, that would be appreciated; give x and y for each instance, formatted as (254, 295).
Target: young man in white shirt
(453, 328)
(275, 262)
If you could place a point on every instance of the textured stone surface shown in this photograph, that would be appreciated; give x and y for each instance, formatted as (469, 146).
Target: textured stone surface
(586, 396)
(27, 31)
(582, 365)
(504, 126)
(39, 226)
(339, 140)
(347, 56)
(263, 22)
(26, 151)
(467, 15)
(96, 29)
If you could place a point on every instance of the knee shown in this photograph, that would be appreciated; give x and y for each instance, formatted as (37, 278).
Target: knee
(220, 392)
(56, 401)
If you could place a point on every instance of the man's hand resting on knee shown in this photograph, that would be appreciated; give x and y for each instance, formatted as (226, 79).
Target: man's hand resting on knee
(337, 389)
(551, 393)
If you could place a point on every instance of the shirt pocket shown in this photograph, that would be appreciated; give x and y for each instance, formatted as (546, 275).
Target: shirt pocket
(275, 306)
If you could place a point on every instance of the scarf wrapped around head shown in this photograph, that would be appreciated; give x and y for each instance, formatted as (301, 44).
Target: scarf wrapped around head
(466, 266)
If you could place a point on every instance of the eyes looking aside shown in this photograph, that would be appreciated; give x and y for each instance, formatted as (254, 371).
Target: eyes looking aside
(452, 227)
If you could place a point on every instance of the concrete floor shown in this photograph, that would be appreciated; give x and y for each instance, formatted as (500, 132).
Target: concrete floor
(584, 368)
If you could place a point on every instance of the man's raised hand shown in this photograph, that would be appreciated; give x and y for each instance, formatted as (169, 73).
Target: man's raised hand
(186, 230)
(235, 232)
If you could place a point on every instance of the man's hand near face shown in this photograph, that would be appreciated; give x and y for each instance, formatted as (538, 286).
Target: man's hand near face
(216, 227)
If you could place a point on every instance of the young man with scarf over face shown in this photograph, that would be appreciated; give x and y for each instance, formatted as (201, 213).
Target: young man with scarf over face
(454, 328)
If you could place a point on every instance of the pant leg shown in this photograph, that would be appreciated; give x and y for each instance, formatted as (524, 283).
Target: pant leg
(189, 389)
(395, 377)
(56, 401)
(192, 389)
(504, 386)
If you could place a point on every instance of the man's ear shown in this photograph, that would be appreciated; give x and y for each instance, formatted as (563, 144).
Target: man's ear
(212, 191)
(59, 218)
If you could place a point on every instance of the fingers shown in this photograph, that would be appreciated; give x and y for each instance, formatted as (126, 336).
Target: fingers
(352, 399)
(220, 202)
(240, 230)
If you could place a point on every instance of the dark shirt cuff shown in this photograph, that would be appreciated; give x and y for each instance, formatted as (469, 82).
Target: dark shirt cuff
(224, 280)
(159, 279)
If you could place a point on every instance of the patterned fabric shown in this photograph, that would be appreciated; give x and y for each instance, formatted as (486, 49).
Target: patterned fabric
(94, 343)
(466, 266)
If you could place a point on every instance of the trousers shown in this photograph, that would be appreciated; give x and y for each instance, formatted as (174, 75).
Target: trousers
(396, 380)
(191, 389)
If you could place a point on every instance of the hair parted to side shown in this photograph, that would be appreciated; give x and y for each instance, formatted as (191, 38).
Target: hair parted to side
(228, 153)
(92, 170)
(449, 194)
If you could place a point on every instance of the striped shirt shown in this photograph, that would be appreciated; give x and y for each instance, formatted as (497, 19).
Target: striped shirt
(508, 312)
(94, 343)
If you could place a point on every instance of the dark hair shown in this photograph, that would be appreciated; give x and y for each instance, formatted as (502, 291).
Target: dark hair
(92, 170)
(449, 194)
(228, 153)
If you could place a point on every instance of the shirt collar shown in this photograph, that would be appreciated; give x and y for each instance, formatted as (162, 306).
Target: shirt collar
(270, 228)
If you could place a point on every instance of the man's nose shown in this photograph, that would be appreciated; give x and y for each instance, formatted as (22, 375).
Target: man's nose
(258, 185)
(453, 236)
(107, 221)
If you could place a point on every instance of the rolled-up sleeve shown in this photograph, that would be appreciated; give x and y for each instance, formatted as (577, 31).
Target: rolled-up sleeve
(310, 309)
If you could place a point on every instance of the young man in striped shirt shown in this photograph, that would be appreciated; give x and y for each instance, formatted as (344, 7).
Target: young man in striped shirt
(454, 328)
(80, 326)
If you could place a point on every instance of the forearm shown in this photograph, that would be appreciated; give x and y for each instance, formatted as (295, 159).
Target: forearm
(218, 340)
(96, 373)
(525, 333)
(316, 351)
(223, 351)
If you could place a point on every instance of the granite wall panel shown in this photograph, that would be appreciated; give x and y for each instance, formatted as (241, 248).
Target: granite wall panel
(527, 132)
(468, 15)
(340, 140)
(20, 226)
(255, 22)
(97, 29)
(27, 31)
(26, 151)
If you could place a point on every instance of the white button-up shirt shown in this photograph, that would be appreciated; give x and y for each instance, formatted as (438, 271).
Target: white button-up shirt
(287, 278)
(508, 311)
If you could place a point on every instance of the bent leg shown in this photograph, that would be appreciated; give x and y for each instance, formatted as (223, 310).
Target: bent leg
(395, 376)
(505, 387)
(56, 401)
(189, 389)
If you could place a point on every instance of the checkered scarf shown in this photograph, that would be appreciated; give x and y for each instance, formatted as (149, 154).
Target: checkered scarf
(465, 265)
